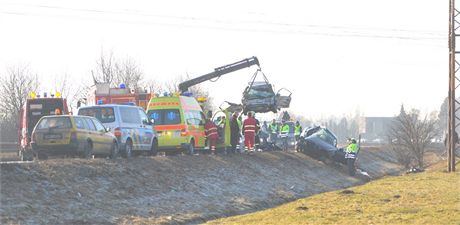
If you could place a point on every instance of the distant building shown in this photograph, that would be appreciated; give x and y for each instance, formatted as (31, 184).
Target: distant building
(374, 129)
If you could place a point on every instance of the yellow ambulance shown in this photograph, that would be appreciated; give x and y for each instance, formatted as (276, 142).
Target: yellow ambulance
(179, 122)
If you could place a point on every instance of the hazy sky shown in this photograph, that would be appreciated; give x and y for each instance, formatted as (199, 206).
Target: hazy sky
(335, 56)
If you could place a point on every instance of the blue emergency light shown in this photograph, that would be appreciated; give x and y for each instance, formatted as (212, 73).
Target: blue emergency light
(187, 93)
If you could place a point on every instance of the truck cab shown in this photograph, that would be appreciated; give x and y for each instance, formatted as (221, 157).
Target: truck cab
(33, 110)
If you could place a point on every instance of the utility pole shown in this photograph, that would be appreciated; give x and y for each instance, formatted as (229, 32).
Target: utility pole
(454, 66)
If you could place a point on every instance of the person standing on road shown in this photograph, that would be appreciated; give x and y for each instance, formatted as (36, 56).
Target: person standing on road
(350, 155)
(257, 137)
(297, 130)
(235, 132)
(273, 127)
(249, 129)
(211, 134)
(284, 135)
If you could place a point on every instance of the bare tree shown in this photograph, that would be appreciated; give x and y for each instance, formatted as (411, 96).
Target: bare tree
(410, 135)
(114, 71)
(128, 73)
(197, 90)
(104, 71)
(70, 90)
(18, 83)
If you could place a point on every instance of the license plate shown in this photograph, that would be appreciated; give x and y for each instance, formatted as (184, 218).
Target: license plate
(53, 136)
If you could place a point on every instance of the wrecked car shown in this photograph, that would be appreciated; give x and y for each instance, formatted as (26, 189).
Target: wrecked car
(320, 142)
(260, 98)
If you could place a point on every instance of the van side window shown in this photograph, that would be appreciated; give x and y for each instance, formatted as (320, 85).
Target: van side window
(80, 123)
(130, 115)
(90, 124)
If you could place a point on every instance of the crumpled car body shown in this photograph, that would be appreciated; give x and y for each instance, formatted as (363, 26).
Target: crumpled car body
(259, 98)
(320, 142)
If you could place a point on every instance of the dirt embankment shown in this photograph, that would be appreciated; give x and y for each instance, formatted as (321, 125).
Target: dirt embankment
(169, 190)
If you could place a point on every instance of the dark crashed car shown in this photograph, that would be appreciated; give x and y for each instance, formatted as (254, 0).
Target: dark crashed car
(259, 98)
(319, 142)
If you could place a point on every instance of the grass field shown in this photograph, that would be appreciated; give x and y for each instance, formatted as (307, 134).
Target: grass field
(431, 197)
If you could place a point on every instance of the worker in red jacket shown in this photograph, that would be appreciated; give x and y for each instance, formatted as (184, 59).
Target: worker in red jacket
(211, 134)
(249, 130)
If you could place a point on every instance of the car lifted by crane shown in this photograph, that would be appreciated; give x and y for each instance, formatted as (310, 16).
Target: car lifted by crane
(258, 96)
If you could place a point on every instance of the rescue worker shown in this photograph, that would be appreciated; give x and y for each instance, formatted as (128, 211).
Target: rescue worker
(297, 130)
(284, 135)
(257, 137)
(350, 156)
(249, 129)
(264, 134)
(211, 135)
(57, 111)
(235, 132)
(273, 127)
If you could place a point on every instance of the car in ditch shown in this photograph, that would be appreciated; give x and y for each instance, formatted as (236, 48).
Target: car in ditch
(72, 135)
(320, 142)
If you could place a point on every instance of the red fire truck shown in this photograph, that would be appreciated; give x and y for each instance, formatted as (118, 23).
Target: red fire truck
(35, 108)
(102, 93)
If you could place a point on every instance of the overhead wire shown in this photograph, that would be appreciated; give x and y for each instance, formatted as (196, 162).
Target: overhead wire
(346, 31)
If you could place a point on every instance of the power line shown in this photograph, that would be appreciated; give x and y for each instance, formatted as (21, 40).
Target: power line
(343, 30)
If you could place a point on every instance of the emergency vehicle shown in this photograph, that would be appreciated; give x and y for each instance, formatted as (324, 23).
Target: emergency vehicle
(102, 93)
(33, 110)
(178, 121)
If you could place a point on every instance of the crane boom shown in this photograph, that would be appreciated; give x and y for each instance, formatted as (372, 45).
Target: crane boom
(219, 71)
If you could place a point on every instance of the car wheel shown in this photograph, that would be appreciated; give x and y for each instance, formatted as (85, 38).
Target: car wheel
(191, 148)
(154, 148)
(25, 155)
(88, 151)
(114, 151)
(128, 149)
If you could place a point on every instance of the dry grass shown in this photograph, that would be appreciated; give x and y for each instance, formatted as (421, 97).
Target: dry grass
(432, 197)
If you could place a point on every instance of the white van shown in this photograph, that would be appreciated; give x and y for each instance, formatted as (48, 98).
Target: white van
(130, 124)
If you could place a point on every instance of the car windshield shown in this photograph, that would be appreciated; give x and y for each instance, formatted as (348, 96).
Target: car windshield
(325, 135)
(54, 122)
(165, 116)
(260, 91)
(103, 114)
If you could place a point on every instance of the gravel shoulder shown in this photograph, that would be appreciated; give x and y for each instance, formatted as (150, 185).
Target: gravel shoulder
(169, 190)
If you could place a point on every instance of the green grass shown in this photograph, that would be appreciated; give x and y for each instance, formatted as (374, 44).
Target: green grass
(432, 197)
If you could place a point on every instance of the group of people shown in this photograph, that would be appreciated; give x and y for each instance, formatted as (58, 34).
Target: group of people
(251, 129)
(252, 132)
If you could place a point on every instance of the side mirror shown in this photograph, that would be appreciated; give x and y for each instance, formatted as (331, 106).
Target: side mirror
(107, 129)
(152, 121)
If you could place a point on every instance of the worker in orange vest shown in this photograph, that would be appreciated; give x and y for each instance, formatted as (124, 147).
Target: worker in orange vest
(249, 130)
(211, 134)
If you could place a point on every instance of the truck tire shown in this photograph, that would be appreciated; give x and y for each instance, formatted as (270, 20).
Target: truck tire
(88, 151)
(114, 150)
(154, 148)
(191, 148)
(128, 149)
